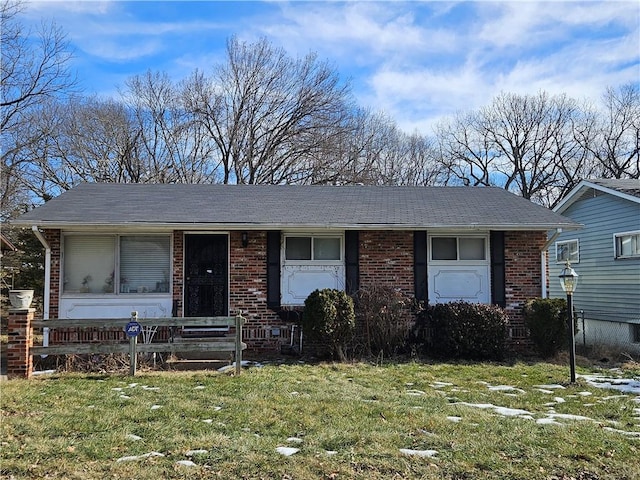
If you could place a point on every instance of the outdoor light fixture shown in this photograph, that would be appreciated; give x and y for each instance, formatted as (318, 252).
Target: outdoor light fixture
(569, 282)
(245, 239)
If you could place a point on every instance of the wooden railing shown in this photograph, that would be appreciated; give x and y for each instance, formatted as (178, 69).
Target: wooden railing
(214, 344)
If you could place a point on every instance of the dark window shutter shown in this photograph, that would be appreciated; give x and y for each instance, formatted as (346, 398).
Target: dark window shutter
(351, 261)
(273, 269)
(420, 265)
(497, 269)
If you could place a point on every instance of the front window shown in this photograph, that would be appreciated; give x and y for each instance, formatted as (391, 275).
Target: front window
(627, 245)
(458, 248)
(567, 250)
(116, 264)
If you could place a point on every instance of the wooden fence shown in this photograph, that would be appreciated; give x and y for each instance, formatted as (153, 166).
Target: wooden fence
(225, 343)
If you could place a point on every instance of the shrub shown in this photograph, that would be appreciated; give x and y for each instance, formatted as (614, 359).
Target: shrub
(329, 319)
(546, 319)
(384, 319)
(462, 330)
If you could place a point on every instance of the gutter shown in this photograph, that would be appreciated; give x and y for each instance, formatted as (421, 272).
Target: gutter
(543, 260)
(47, 280)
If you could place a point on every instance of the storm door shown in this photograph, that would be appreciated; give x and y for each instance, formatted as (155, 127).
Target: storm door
(206, 275)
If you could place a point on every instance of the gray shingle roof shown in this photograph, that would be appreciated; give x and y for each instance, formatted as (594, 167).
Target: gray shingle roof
(628, 186)
(279, 206)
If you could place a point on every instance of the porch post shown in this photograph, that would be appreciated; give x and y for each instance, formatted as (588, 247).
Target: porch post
(20, 330)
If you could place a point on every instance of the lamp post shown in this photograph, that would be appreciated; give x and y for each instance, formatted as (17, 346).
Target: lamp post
(569, 281)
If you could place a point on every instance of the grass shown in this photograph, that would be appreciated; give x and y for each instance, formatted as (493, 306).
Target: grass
(77, 426)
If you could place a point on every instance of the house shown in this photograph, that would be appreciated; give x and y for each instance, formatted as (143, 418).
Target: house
(606, 256)
(202, 250)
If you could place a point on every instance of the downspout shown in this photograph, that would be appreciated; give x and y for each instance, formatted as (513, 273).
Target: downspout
(543, 260)
(47, 280)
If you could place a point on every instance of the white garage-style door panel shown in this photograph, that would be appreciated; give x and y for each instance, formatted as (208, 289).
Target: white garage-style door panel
(459, 268)
(463, 283)
(299, 281)
(310, 261)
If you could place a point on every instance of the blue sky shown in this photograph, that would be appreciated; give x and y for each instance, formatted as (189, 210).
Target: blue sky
(416, 61)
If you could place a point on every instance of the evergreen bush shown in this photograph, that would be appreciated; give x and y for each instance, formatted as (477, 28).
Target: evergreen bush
(546, 319)
(329, 319)
(462, 330)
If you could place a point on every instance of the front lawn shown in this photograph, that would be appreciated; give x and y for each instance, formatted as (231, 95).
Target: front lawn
(351, 421)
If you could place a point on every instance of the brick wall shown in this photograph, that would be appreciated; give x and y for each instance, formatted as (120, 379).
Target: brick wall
(248, 293)
(523, 276)
(20, 333)
(53, 238)
(386, 258)
(178, 272)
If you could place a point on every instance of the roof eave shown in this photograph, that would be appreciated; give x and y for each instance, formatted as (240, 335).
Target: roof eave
(576, 193)
(152, 226)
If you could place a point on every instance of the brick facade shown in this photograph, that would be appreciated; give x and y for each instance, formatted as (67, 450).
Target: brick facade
(385, 258)
(523, 277)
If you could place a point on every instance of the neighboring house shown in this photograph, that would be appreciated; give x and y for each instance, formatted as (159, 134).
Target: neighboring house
(606, 256)
(202, 250)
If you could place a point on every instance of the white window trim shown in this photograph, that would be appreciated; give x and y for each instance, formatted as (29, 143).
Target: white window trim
(615, 245)
(283, 246)
(572, 240)
(487, 253)
(116, 267)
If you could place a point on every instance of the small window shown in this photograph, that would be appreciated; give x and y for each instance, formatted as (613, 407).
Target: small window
(312, 248)
(627, 245)
(567, 250)
(458, 248)
(298, 248)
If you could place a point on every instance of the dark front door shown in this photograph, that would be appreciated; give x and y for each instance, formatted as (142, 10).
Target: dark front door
(206, 276)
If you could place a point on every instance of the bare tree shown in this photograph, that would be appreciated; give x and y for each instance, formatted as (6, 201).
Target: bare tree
(34, 68)
(267, 112)
(612, 135)
(518, 142)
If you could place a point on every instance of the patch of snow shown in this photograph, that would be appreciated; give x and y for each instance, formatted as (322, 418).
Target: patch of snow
(613, 397)
(146, 387)
(559, 399)
(585, 394)
(208, 420)
(568, 416)
(507, 412)
(139, 457)
(217, 409)
(132, 385)
(441, 384)
(125, 397)
(454, 419)
(551, 387)
(505, 388)
(117, 389)
(543, 390)
(199, 387)
(43, 372)
(294, 393)
(186, 463)
(547, 421)
(155, 407)
(133, 437)
(287, 451)
(294, 440)
(191, 453)
(626, 385)
(419, 453)
(330, 452)
(623, 432)
(415, 393)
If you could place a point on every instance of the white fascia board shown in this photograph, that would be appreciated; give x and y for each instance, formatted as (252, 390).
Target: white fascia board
(165, 227)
